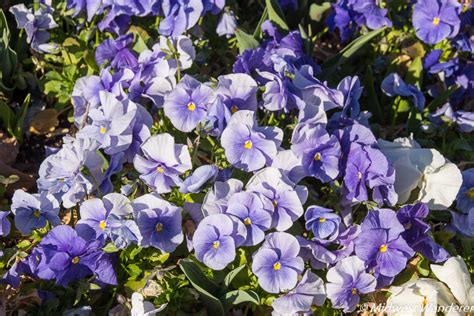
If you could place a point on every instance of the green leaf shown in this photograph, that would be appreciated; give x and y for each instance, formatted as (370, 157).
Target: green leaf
(232, 274)
(346, 54)
(316, 11)
(258, 29)
(275, 14)
(7, 116)
(373, 101)
(21, 118)
(423, 267)
(441, 99)
(206, 288)
(245, 40)
(7, 55)
(239, 296)
(415, 72)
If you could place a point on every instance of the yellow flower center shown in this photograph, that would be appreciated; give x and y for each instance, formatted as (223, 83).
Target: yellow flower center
(354, 291)
(36, 213)
(470, 193)
(102, 224)
(61, 180)
(275, 203)
(215, 245)
(436, 21)
(359, 175)
(234, 108)
(247, 221)
(248, 144)
(159, 227)
(383, 248)
(317, 157)
(425, 301)
(277, 266)
(191, 106)
(322, 219)
(75, 260)
(160, 169)
(103, 130)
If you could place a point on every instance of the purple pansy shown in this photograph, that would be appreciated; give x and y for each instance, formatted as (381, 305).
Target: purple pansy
(187, 104)
(237, 92)
(465, 198)
(216, 199)
(320, 152)
(199, 178)
(216, 238)
(69, 257)
(179, 16)
(248, 146)
(72, 172)
(381, 245)
(323, 222)
(287, 199)
(35, 25)
(159, 222)
(346, 281)
(435, 20)
(277, 264)
(416, 234)
(117, 52)
(92, 7)
(111, 124)
(33, 210)
(254, 212)
(4, 223)
(309, 292)
(162, 162)
(393, 85)
(102, 218)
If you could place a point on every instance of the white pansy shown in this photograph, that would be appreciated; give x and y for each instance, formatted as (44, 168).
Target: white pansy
(140, 307)
(455, 275)
(437, 180)
(420, 297)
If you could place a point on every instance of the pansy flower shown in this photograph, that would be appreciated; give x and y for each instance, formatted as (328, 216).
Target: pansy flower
(254, 212)
(347, 280)
(237, 92)
(187, 104)
(34, 210)
(216, 238)
(216, 199)
(162, 162)
(117, 52)
(277, 264)
(323, 222)
(4, 224)
(159, 222)
(465, 197)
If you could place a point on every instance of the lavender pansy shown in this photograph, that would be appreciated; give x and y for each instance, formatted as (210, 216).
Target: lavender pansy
(237, 92)
(320, 152)
(248, 146)
(4, 224)
(216, 238)
(436, 20)
(309, 292)
(180, 16)
(162, 162)
(393, 85)
(112, 123)
(277, 264)
(70, 257)
(381, 245)
(117, 52)
(347, 280)
(187, 104)
(34, 210)
(416, 234)
(200, 176)
(465, 197)
(216, 199)
(227, 24)
(254, 212)
(289, 165)
(92, 7)
(36, 25)
(159, 222)
(323, 222)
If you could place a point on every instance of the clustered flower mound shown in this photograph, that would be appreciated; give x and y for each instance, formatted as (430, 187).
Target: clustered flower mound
(322, 164)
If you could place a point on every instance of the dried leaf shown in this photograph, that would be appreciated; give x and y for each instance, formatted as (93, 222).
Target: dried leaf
(44, 122)
(8, 149)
